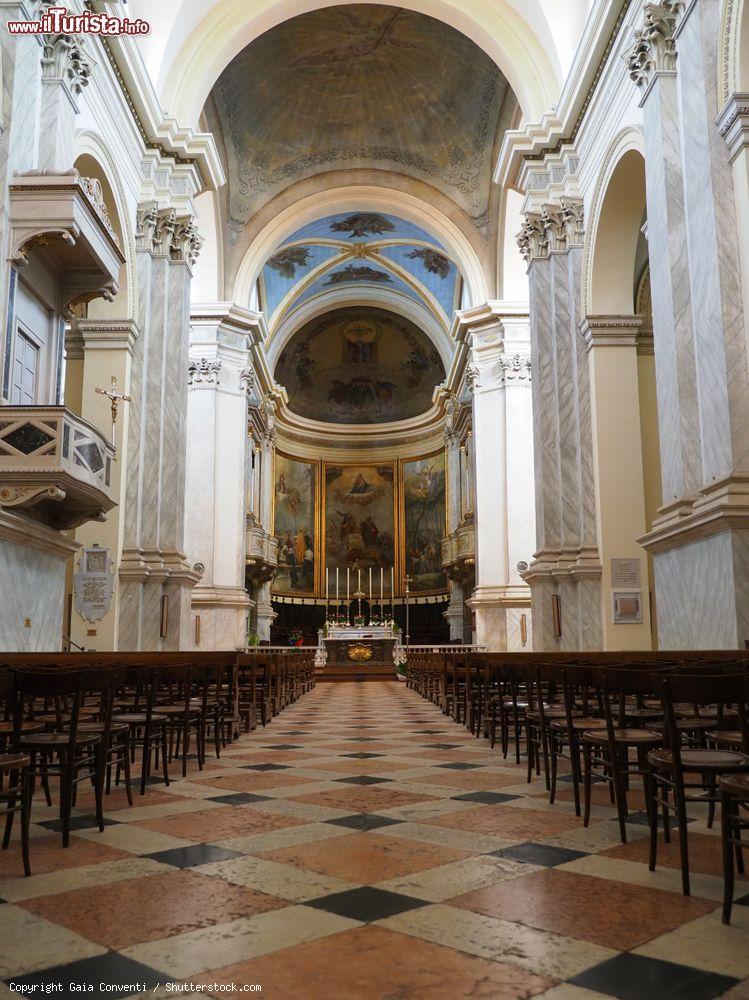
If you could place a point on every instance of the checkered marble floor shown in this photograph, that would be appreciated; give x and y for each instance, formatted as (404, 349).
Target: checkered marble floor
(365, 846)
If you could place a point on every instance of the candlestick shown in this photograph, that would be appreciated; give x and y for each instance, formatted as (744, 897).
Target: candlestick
(348, 583)
(336, 586)
(370, 584)
(327, 584)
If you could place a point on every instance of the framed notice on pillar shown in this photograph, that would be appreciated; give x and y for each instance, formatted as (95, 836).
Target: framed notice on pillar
(627, 607)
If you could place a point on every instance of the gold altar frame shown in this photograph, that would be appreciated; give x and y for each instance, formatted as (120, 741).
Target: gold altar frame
(316, 572)
(402, 514)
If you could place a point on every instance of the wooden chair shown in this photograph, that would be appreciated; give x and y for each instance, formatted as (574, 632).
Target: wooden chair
(148, 727)
(734, 797)
(16, 798)
(691, 774)
(65, 752)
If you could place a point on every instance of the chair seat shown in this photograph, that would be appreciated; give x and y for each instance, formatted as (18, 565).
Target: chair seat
(694, 723)
(6, 728)
(99, 727)
(173, 710)
(643, 713)
(579, 724)
(138, 718)
(729, 738)
(13, 761)
(702, 760)
(735, 784)
(634, 737)
(43, 740)
(550, 712)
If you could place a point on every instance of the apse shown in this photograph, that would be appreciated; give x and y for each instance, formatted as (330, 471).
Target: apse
(360, 366)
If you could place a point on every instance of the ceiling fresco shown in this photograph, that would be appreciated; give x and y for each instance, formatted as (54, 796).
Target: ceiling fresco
(356, 251)
(359, 365)
(360, 85)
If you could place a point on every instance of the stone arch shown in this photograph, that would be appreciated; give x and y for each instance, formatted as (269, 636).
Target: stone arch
(361, 198)
(206, 41)
(615, 223)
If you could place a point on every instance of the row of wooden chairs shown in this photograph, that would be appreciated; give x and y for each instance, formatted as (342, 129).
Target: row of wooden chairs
(87, 718)
(675, 722)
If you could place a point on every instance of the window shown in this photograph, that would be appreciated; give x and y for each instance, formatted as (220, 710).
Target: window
(25, 371)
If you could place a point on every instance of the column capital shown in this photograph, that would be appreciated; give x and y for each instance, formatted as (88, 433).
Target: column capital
(163, 233)
(557, 227)
(101, 335)
(733, 123)
(612, 331)
(515, 369)
(203, 372)
(654, 49)
(65, 62)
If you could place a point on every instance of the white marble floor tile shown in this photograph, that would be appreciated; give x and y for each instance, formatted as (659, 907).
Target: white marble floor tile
(275, 878)
(30, 943)
(447, 881)
(707, 943)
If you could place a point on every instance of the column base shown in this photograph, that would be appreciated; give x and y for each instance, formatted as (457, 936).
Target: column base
(574, 576)
(222, 614)
(147, 621)
(498, 611)
(700, 550)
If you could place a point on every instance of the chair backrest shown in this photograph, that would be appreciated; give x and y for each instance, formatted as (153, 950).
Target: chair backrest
(723, 690)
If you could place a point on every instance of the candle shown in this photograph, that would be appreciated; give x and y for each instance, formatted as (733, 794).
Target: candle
(370, 584)
(327, 587)
(336, 585)
(348, 582)
(358, 581)
(382, 579)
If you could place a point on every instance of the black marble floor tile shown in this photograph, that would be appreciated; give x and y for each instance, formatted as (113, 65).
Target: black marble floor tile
(111, 969)
(77, 823)
(265, 767)
(284, 746)
(361, 755)
(461, 767)
(192, 857)
(441, 746)
(363, 821)
(635, 977)
(366, 904)
(240, 799)
(362, 779)
(485, 798)
(539, 854)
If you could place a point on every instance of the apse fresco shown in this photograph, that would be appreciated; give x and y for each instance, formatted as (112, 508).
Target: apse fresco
(359, 519)
(424, 500)
(295, 525)
(360, 366)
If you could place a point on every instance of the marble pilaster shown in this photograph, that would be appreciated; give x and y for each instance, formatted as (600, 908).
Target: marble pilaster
(65, 73)
(154, 563)
(566, 563)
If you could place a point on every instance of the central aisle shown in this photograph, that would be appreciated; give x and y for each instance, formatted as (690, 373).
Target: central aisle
(365, 846)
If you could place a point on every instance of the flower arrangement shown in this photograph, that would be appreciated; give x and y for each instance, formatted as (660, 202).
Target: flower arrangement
(296, 639)
(359, 621)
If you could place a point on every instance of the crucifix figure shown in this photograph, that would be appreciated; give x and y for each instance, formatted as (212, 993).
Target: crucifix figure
(115, 397)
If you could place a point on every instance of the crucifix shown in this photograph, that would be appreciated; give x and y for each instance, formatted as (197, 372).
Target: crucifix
(115, 397)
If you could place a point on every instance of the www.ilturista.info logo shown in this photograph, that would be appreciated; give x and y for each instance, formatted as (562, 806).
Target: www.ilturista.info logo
(59, 21)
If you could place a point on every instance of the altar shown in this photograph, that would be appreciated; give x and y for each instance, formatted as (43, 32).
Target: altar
(375, 645)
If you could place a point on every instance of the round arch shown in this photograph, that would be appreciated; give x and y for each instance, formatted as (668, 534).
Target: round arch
(92, 159)
(616, 218)
(206, 42)
(365, 198)
(377, 297)
(733, 56)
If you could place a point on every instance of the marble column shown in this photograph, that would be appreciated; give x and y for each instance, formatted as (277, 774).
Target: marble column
(154, 565)
(500, 597)
(566, 566)
(221, 341)
(700, 540)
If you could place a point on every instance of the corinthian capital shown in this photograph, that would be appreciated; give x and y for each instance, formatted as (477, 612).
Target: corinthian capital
(65, 62)
(563, 224)
(532, 238)
(186, 241)
(654, 49)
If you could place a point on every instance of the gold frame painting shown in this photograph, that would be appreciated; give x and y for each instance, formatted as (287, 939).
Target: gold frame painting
(361, 468)
(312, 590)
(440, 456)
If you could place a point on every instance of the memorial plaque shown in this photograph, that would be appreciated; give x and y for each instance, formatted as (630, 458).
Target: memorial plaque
(94, 584)
(627, 608)
(625, 573)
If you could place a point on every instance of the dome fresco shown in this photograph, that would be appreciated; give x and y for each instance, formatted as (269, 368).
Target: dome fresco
(360, 365)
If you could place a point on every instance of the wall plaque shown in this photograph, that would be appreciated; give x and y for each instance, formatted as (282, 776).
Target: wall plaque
(94, 584)
(627, 608)
(625, 573)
